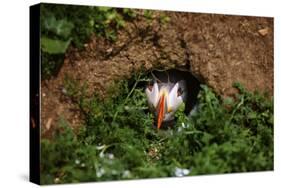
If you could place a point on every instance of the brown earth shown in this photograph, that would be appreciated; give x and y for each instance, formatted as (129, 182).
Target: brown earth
(217, 49)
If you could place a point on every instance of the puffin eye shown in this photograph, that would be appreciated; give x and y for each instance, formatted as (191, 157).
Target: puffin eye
(180, 91)
(150, 86)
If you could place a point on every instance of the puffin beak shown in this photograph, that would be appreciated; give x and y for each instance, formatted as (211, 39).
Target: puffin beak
(161, 111)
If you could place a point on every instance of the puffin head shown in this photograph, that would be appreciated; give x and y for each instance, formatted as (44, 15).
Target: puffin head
(164, 99)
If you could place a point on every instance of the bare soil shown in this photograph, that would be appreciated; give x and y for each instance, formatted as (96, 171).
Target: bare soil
(217, 49)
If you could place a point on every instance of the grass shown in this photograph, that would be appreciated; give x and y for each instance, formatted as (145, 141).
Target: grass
(118, 140)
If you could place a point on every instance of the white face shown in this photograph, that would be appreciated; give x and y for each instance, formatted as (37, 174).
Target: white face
(164, 101)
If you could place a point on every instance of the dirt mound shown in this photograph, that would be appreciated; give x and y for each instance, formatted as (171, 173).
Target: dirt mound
(228, 49)
(217, 49)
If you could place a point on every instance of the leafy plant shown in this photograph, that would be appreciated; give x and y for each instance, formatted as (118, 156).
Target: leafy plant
(53, 46)
(62, 25)
(118, 139)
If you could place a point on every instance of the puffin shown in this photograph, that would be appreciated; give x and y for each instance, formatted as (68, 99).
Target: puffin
(167, 90)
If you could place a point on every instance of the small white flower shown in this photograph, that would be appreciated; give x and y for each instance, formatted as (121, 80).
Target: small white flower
(100, 172)
(180, 172)
(179, 129)
(101, 155)
(184, 125)
(185, 172)
(57, 180)
(126, 174)
(83, 165)
(110, 156)
(77, 161)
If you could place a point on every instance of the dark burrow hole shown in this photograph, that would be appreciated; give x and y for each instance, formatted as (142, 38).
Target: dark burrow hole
(171, 77)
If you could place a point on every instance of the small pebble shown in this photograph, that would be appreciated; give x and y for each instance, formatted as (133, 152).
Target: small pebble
(263, 31)
(64, 91)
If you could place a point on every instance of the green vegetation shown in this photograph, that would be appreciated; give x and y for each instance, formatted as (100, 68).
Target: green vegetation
(62, 25)
(118, 140)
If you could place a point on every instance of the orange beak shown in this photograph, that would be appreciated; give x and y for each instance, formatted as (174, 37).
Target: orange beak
(160, 111)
